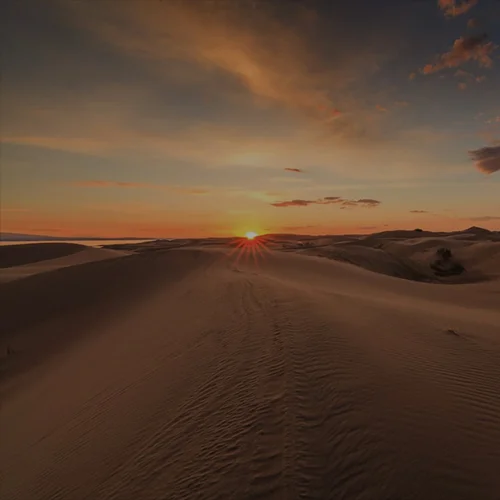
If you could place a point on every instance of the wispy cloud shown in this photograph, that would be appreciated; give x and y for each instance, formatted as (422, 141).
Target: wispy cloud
(119, 184)
(276, 61)
(168, 31)
(88, 145)
(486, 159)
(460, 73)
(465, 48)
(11, 210)
(138, 185)
(419, 211)
(484, 218)
(329, 200)
(453, 8)
(297, 170)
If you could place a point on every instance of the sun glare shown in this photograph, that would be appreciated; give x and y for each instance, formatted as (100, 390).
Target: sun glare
(250, 235)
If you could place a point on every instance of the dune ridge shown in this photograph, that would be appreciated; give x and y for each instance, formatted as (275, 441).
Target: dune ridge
(205, 372)
(21, 261)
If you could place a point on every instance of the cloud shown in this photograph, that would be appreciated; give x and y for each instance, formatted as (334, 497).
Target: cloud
(298, 170)
(71, 144)
(329, 200)
(453, 8)
(460, 73)
(412, 76)
(293, 203)
(297, 228)
(472, 23)
(173, 31)
(462, 86)
(487, 159)
(484, 218)
(368, 202)
(190, 190)
(381, 108)
(466, 48)
(277, 59)
(138, 185)
(14, 210)
(419, 212)
(98, 184)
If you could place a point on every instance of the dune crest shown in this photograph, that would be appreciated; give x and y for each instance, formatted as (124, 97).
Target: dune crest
(21, 261)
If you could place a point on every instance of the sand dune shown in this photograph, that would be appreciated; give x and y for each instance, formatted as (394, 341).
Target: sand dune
(21, 261)
(15, 255)
(409, 255)
(208, 373)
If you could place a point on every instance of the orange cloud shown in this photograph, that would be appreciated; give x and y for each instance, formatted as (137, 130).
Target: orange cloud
(11, 210)
(97, 184)
(138, 185)
(298, 170)
(460, 73)
(462, 86)
(160, 31)
(274, 60)
(419, 212)
(466, 48)
(452, 9)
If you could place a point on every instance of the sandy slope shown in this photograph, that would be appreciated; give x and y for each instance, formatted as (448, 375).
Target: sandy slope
(409, 255)
(191, 373)
(18, 255)
(21, 261)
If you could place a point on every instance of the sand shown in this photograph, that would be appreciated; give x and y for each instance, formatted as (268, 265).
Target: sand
(205, 372)
(21, 261)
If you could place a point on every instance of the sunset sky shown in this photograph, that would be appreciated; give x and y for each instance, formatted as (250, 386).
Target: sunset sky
(172, 118)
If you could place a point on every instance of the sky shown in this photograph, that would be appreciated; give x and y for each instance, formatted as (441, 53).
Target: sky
(196, 118)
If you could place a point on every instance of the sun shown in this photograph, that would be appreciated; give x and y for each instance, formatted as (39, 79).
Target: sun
(250, 235)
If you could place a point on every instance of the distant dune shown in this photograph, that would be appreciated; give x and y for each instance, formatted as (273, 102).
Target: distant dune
(194, 369)
(21, 261)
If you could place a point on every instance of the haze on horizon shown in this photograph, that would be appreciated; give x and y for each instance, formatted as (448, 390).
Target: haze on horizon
(195, 118)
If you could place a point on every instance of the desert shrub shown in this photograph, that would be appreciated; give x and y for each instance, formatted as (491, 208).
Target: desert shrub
(444, 265)
(444, 253)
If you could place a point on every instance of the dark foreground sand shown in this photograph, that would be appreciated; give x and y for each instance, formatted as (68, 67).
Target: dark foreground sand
(202, 372)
